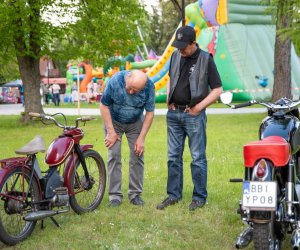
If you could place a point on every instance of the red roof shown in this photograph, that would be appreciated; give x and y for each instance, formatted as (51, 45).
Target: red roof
(47, 80)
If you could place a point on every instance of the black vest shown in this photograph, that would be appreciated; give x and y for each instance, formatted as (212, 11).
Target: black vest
(198, 79)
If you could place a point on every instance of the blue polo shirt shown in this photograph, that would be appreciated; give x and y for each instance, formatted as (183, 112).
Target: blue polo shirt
(127, 108)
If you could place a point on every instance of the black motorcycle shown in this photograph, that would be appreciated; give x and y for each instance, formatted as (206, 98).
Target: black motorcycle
(270, 204)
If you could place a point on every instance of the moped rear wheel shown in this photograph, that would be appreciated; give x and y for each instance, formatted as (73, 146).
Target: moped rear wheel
(13, 206)
(85, 198)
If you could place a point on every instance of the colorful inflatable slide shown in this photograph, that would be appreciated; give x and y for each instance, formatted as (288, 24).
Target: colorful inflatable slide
(241, 37)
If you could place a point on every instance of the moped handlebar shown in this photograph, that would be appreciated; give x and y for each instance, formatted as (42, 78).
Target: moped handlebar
(34, 114)
(58, 124)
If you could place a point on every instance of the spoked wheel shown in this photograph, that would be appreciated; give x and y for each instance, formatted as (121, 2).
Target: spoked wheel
(87, 197)
(13, 206)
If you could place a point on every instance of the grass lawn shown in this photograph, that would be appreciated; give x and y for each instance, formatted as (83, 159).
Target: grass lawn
(157, 105)
(215, 226)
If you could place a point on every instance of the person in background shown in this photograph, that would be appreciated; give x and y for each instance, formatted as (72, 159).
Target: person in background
(97, 88)
(194, 84)
(74, 92)
(55, 92)
(45, 91)
(126, 95)
(22, 95)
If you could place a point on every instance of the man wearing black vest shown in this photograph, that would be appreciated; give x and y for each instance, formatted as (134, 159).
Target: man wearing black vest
(194, 85)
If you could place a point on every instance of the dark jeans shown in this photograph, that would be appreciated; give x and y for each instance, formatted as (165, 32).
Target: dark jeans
(181, 125)
(56, 99)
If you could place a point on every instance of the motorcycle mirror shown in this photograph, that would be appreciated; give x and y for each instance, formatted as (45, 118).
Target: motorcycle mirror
(226, 98)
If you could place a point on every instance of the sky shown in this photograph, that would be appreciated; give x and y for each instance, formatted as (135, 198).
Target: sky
(149, 3)
(54, 19)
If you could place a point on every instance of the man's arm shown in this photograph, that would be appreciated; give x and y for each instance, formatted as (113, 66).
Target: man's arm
(139, 144)
(212, 97)
(111, 136)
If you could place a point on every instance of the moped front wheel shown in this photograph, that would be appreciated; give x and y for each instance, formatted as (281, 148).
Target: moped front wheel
(86, 197)
(14, 205)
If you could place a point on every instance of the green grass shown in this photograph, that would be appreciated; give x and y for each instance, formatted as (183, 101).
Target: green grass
(215, 226)
(157, 105)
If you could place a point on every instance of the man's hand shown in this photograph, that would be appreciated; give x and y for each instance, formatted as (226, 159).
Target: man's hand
(171, 106)
(193, 110)
(139, 146)
(111, 139)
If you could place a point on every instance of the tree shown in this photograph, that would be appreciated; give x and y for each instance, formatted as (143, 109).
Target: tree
(26, 35)
(165, 22)
(24, 38)
(293, 31)
(282, 55)
(105, 28)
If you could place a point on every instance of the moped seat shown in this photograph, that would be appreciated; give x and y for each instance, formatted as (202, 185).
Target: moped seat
(274, 148)
(36, 145)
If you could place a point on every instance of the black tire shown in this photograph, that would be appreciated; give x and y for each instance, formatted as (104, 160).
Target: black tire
(262, 237)
(86, 200)
(13, 228)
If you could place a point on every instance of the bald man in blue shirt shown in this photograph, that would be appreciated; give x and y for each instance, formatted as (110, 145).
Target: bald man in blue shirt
(126, 95)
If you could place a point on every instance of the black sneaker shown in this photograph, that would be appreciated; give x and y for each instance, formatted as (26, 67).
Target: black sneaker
(114, 203)
(137, 201)
(166, 202)
(196, 204)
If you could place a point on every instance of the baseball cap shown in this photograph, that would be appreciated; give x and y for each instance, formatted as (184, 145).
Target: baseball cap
(184, 36)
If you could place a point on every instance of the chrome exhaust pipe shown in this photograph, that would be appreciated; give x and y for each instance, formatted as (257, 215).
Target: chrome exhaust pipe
(295, 240)
(245, 238)
(40, 215)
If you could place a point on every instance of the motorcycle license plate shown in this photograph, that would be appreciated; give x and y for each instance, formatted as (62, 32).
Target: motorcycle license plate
(260, 195)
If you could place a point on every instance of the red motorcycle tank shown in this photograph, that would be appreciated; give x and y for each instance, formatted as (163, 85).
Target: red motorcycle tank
(59, 150)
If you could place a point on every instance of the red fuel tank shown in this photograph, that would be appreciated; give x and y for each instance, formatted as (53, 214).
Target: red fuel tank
(59, 150)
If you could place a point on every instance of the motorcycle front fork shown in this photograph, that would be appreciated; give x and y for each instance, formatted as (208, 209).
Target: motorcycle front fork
(83, 163)
(290, 189)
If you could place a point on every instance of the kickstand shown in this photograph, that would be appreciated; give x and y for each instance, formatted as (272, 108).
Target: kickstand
(55, 222)
(42, 224)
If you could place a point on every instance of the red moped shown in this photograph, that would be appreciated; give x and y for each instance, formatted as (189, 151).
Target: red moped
(76, 178)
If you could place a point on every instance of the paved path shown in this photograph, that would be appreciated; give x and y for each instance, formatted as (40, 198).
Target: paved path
(16, 109)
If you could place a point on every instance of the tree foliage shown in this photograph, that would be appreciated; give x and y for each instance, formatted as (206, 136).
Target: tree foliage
(26, 34)
(164, 22)
(105, 28)
(285, 12)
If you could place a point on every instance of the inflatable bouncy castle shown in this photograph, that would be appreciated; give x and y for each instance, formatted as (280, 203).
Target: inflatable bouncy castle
(241, 37)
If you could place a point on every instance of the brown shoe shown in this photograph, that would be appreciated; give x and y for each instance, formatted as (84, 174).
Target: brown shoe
(166, 202)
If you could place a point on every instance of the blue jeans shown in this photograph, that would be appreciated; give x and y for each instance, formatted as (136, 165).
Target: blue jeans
(181, 125)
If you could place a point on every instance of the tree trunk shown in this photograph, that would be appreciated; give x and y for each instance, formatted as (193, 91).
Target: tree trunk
(28, 49)
(282, 57)
(30, 75)
(177, 6)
